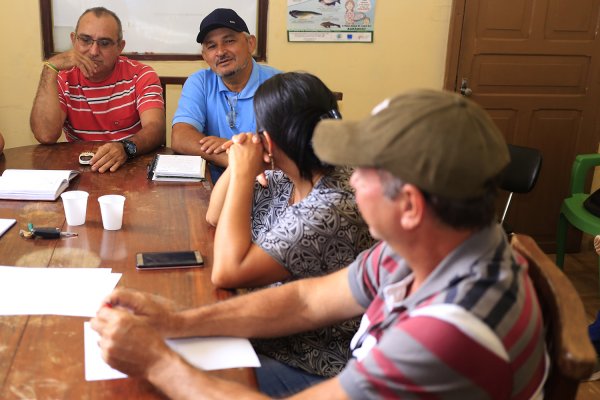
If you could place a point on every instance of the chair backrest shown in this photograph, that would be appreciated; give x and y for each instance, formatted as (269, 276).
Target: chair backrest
(170, 80)
(522, 172)
(180, 80)
(579, 172)
(572, 356)
(164, 82)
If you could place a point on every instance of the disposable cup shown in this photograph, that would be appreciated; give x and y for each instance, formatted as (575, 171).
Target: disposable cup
(75, 204)
(111, 208)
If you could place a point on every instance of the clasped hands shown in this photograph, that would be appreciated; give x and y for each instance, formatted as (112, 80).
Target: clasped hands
(132, 326)
(248, 152)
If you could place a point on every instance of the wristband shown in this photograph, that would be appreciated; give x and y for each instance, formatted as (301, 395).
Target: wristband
(51, 66)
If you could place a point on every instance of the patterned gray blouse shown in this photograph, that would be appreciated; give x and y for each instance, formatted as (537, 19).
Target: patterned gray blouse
(322, 233)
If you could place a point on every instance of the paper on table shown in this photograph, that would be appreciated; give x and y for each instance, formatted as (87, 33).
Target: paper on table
(178, 167)
(57, 291)
(5, 224)
(95, 367)
(205, 353)
(216, 352)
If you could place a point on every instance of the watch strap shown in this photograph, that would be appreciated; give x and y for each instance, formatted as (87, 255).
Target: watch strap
(130, 148)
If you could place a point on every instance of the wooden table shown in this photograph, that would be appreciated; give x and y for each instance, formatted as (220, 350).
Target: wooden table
(41, 357)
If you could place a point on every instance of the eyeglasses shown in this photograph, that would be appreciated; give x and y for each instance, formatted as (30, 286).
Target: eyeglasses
(87, 41)
(331, 114)
(231, 114)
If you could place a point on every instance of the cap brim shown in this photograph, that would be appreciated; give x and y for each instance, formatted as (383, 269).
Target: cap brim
(202, 34)
(342, 143)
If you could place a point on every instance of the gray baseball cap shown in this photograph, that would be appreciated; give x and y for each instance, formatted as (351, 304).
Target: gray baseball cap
(439, 141)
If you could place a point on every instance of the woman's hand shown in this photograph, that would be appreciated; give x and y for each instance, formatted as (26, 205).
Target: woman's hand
(247, 154)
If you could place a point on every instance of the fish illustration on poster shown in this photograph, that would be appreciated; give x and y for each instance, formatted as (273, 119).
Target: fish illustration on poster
(330, 20)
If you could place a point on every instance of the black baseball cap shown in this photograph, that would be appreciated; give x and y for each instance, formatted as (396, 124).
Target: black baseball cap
(221, 18)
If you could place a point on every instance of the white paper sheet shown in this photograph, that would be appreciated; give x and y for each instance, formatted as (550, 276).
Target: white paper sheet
(5, 224)
(205, 353)
(216, 352)
(54, 291)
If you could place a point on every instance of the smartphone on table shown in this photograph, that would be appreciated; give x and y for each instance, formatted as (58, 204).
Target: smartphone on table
(168, 260)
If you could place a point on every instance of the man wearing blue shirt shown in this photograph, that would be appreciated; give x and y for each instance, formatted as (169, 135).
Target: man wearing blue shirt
(217, 103)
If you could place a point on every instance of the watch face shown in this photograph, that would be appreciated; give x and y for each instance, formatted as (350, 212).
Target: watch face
(130, 148)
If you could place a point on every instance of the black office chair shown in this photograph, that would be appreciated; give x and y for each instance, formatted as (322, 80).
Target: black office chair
(520, 176)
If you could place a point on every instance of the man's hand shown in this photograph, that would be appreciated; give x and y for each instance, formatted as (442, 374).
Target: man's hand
(109, 156)
(185, 139)
(128, 343)
(72, 58)
(212, 144)
(154, 310)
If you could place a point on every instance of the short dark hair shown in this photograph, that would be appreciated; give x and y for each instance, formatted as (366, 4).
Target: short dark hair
(99, 12)
(473, 213)
(289, 106)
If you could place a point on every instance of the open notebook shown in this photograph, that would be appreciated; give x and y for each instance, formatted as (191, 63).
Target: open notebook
(34, 184)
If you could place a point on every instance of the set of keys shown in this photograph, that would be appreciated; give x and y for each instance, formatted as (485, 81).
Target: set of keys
(44, 233)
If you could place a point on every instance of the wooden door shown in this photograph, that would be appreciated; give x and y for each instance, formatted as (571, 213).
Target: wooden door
(534, 65)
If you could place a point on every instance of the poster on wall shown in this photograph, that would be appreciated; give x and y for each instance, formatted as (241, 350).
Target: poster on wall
(348, 21)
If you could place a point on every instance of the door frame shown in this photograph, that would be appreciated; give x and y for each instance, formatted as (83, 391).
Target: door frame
(453, 47)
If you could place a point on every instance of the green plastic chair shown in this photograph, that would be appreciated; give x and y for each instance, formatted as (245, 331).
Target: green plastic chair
(572, 210)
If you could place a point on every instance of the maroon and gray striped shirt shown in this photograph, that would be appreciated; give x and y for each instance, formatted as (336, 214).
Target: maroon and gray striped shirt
(472, 330)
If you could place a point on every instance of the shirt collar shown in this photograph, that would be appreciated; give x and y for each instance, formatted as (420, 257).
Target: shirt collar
(459, 263)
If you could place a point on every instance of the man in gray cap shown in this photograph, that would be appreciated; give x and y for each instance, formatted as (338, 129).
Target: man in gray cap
(448, 310)
(216, 103)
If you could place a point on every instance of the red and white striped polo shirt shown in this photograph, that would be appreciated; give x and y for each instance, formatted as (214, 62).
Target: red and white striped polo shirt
(108, 110)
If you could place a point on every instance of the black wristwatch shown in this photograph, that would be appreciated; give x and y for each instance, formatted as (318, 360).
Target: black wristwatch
(130, 148)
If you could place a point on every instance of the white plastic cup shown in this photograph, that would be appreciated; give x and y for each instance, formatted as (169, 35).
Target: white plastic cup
(111, 208)
(75, 204)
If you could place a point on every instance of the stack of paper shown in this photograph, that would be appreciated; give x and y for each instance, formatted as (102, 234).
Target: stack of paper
(55, 291)
(34, 184)
(177, 168)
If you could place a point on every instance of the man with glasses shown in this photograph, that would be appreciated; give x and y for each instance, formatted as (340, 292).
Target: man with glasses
(92, 93)
(216, 103)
